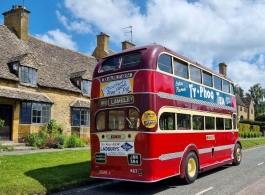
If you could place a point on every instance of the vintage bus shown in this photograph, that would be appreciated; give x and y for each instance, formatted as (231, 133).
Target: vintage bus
(156, 114)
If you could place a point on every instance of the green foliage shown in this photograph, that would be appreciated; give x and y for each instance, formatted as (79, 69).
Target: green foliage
(260, 118)
(51, 127)
(2, 122)
(74, 141)
(243, 127)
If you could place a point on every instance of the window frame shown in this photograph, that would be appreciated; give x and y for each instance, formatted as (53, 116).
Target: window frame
(165, 65)
(79, 121)
(183, 65)
(34, 115)
(28, 75)
(194, 75)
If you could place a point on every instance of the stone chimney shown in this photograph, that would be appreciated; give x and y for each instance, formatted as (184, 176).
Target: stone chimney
(127, 45)
(18, 19)
(102, 48)
(222, 68)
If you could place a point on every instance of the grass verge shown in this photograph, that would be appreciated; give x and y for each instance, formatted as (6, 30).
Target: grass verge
(44, 172)
(250, 143)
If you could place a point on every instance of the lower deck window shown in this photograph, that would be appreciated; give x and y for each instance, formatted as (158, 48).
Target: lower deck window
(219, 123)
(116, 119)
(198, 122)
(209, 123)
(183, 121)
(167, 121)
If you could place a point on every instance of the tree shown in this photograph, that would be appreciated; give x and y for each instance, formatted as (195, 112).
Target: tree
(256, 94)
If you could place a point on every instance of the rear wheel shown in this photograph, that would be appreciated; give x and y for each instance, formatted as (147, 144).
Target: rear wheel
(237, 155)
(191, 168)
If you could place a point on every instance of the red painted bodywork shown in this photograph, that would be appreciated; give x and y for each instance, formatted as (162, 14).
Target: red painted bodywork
(148, 142)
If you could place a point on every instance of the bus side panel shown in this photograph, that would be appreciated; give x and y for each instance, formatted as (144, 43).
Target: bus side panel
(144, 81)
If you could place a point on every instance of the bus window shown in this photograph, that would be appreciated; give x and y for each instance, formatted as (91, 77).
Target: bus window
(195, 74)
(232, 91)
(165, 63)
(217, 83)
(183, 121)
(209, 123)
(219, 123)
(116, 119)
(180, 68)
(134, 119)
(132, 59)
(100, 121)
(228, 124)
(226, 86)
(197, 122)
(234, 121)
(207, 79)
(167, 121)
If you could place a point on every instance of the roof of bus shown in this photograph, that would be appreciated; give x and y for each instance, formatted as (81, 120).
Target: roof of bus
(160, 48)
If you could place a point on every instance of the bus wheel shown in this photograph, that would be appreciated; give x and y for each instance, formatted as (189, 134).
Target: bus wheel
(191, 169)
(237, 155)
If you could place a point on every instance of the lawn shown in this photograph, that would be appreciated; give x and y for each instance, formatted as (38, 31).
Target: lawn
(54, 171)
(44, 172)
(249, 143)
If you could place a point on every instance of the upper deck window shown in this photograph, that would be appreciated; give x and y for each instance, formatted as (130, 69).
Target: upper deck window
(232, 91)
(123, 61)
(165, 63)
(181, 68)
(217, 83)
(207, 79)
(226, 86)
(195, 74)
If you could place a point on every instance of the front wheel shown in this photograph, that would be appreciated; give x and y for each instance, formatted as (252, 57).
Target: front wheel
(191, 168)
(237, 155)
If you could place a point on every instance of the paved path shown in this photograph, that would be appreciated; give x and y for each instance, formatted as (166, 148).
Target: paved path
(21, 152)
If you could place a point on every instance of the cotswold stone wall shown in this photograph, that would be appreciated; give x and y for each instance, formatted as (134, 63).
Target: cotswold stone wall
(61, 110)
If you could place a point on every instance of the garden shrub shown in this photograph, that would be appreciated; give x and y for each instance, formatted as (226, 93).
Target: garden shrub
(74, 141)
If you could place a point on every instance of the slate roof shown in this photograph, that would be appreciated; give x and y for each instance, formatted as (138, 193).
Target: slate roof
(14, 93)
(55, 64)
(239, 101)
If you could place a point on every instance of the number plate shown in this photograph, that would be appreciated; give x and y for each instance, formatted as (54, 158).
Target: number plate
(134, 159)
(100, 157)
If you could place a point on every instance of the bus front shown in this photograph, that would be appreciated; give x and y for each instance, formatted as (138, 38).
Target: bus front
(123, 113)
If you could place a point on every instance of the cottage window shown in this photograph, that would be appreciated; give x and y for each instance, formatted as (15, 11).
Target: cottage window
(36, 113)
(86, 87)
(28, 75)
(80, 117)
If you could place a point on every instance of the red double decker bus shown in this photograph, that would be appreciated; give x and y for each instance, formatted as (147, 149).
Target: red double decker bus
(156, 114)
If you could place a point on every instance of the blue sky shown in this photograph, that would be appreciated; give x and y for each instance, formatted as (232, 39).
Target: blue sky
(206, 31)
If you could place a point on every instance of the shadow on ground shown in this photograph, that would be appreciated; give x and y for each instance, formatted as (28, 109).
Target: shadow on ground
(62, 177)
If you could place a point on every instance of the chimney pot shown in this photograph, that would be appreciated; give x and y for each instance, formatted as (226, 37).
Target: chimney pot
(127, 45)
(222, 68)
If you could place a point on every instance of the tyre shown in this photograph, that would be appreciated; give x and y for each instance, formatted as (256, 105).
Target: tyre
(237, 155)
(191, 168)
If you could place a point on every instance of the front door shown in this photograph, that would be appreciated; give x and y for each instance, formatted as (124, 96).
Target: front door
(6, 115)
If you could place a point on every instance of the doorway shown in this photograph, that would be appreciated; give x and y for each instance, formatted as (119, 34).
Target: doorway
(6, 115)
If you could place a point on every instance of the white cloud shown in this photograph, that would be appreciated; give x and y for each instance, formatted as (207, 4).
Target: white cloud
(59, 38)
(206, 31)
(78, 26)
